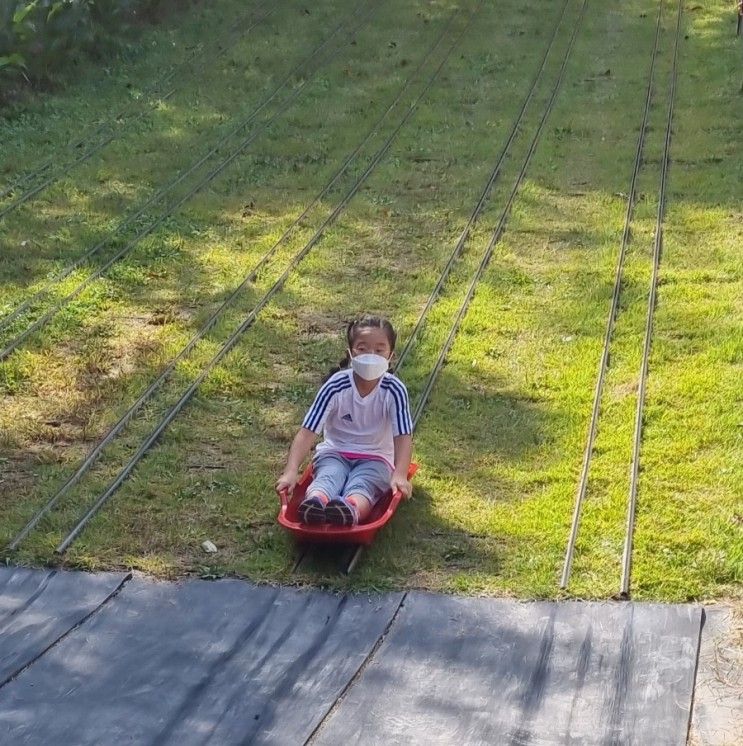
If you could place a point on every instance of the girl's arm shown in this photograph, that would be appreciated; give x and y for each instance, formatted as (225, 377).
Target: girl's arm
(300, 447)
(403, 454)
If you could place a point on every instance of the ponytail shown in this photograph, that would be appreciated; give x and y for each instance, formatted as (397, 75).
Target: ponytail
(342, 365)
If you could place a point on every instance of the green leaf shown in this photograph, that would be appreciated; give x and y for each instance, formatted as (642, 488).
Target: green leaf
(12, 60)
(20, 15)
(56, 7)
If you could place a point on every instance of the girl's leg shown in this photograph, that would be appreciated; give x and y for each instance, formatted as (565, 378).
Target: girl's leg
(367, 482)
(330, 472)
(362, 505)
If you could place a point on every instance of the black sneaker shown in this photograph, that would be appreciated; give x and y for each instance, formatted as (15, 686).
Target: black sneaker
(312, 510)
(340, 513)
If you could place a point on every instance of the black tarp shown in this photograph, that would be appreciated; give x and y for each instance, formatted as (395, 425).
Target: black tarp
(219, 662)
(37, 607)
(226, 662)
(489, 671)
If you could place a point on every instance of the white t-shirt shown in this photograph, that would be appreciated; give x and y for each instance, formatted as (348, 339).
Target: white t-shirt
(355, 425)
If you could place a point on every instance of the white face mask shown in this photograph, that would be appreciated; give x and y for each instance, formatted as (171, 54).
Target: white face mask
(370, 366)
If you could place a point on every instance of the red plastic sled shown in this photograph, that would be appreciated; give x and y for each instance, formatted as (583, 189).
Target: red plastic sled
(325, 533)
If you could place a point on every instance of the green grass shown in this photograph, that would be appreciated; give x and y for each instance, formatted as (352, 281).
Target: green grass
(501, 441)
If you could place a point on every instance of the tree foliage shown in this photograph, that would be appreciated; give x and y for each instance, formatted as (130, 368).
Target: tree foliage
(38, 38)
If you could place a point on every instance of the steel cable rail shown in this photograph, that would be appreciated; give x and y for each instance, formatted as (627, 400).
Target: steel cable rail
(657, 249)
(613, 313)
(30, 193)
(4, 322)
(499, 230)
(423, 398)
(235, 36)
(285, 104)
(250, 319)
(124, 420)
(483, 198)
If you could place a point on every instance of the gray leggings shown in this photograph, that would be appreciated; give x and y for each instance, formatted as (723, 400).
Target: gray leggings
(336, 475)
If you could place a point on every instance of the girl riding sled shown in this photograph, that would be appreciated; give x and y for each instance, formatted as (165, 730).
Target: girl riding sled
(363, 412)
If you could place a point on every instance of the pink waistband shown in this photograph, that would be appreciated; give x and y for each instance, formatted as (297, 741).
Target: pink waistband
(368, 456)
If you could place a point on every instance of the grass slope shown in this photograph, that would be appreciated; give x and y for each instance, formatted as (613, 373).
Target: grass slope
(502, 437)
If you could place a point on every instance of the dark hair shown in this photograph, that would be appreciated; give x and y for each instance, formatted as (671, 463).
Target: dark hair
(378, 322)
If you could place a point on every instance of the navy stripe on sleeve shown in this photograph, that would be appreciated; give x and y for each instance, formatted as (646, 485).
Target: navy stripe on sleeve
(315, 415)
(402, 405)
(398, 421)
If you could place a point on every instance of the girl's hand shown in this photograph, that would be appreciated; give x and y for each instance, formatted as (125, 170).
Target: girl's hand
(286, 483)
(401, 483)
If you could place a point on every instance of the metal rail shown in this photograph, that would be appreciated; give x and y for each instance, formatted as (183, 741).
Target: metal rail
(30, 193)
(250, 319)
(124, 420)
(236, 35)
(657, 250)
(462, 240)
(459, 247)
(423, 399)
(613, 312)
(499, 230)
(285, 104)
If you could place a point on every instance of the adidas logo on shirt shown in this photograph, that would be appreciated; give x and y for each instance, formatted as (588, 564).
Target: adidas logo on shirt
(347, 418)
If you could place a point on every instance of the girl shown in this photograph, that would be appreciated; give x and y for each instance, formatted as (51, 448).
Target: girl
(364, 414)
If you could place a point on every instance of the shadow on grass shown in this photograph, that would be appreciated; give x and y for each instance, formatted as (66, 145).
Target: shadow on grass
(447, 535)
(416, 545)
(172, 142)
